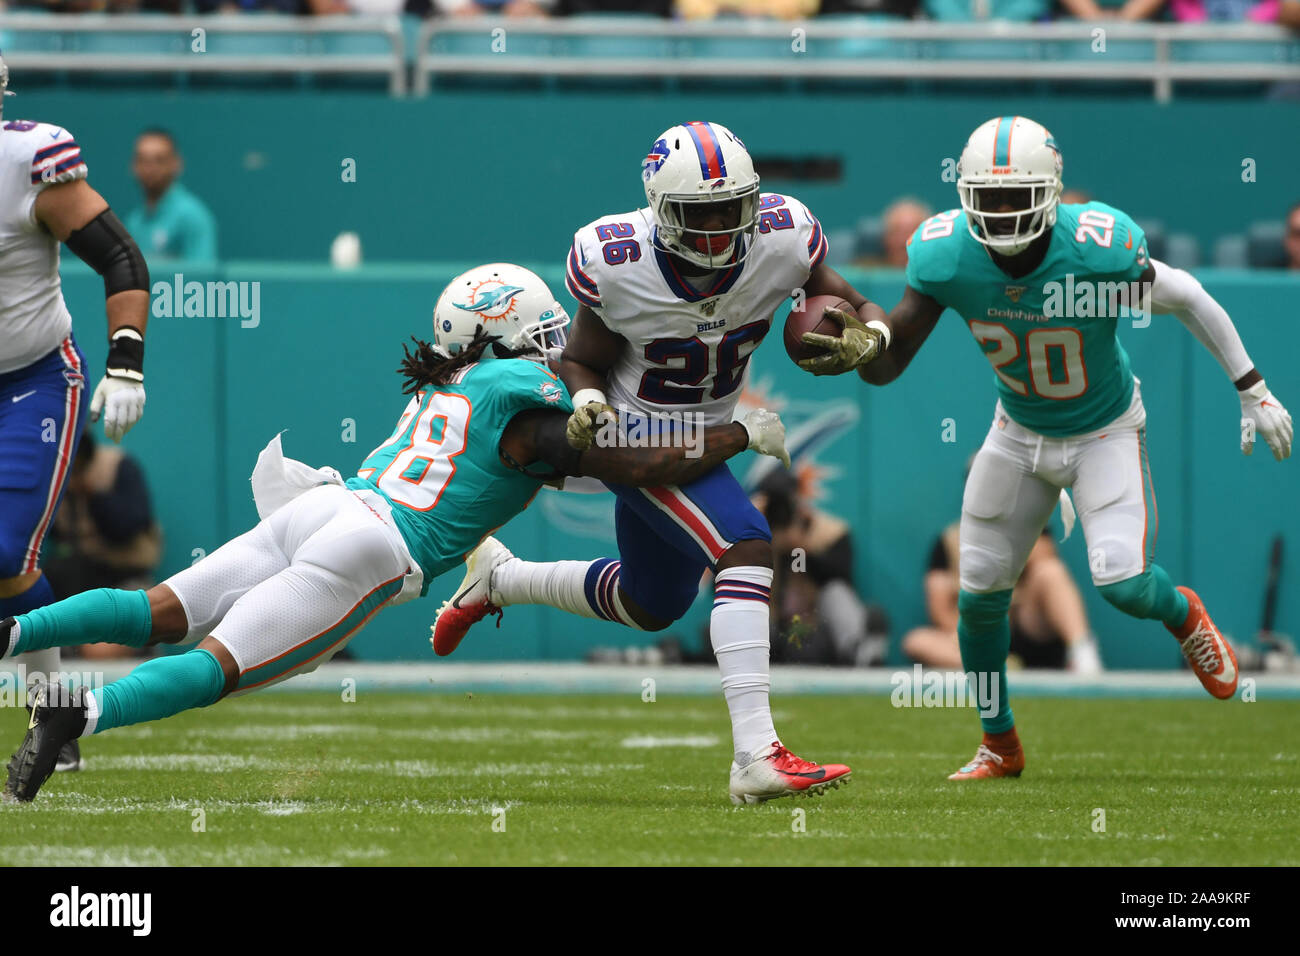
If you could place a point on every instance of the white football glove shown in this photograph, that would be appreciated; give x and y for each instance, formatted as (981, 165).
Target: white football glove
(590, 413)
(1268, 418)
(122, 402)
(766, 434)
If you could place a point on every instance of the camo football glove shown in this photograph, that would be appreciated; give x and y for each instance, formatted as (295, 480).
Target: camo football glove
(858, 344)
(590, 413)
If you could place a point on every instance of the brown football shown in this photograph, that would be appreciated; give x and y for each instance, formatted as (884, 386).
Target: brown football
(812, 318)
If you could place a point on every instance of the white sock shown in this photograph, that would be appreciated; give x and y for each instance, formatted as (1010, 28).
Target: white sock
(738, 630)
(585, 588)
(1083, 656)
(46, 663)
(11, 640)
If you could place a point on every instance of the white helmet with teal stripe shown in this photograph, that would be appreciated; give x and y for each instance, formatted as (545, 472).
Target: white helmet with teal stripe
(508, 301)
(1009, 181)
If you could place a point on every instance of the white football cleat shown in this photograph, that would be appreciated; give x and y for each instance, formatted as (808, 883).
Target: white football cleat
(473, 600)
(776, 772)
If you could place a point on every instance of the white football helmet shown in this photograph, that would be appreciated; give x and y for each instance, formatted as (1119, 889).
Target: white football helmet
(4, 85)
(507, 300)
(700, 163)
(1006, 153)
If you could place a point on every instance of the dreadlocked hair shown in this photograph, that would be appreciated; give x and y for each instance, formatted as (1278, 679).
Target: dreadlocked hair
(425, 366)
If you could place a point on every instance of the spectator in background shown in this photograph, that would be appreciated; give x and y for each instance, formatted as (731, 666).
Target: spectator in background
(249, 6)
(1224, 11)
(173, 223)
(901, 219)
(476, 8)
(905, 9)
(776, 9)
(1049, 626)
(898, 222)
(1131, 10)
(578, 8)
(104, 535)
(818, 616)
(1292, 237)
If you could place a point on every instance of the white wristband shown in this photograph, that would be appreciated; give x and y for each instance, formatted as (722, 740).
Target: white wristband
(882, 328)
(585, 396)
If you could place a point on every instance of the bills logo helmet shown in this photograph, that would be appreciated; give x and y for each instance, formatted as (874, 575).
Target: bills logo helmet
(696, 173)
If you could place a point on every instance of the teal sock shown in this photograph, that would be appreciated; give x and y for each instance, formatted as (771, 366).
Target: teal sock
(105, 614)
(160, 688)
(1150, 594)
(984, 633)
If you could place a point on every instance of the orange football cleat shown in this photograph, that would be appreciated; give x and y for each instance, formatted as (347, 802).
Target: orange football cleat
(1206, 649)
(999, 755)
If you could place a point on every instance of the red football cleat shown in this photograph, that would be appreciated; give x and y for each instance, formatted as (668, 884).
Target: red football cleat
(1206, 649)
(779, 773)
(473, 598)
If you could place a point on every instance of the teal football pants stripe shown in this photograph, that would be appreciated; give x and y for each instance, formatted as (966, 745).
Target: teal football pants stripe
(278, 667)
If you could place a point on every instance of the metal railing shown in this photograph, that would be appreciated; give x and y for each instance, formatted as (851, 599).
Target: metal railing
(22, 35)
(1159, 54)
(922, 42)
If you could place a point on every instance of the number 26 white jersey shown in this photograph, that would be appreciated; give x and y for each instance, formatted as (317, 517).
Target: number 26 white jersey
(33, 316)
(688, 346)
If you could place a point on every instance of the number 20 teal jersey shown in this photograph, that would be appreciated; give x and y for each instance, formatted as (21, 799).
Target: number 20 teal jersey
(440, 468)
(1050, 335)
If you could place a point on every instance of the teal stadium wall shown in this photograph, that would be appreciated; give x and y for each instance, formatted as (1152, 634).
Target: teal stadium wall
(327, 344)
(469, 176)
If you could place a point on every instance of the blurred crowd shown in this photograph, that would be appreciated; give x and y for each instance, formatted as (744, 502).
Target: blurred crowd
(1286, 12)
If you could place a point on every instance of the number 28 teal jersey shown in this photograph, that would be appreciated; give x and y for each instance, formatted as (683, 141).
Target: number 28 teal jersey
(440, 468)
(1050, 335)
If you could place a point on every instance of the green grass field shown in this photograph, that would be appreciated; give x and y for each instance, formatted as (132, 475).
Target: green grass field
(405, 778)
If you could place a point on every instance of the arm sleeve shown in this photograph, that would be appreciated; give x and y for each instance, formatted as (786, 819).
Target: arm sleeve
(1177, 292)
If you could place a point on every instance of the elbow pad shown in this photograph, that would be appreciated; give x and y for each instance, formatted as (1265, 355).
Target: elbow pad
(106, 246)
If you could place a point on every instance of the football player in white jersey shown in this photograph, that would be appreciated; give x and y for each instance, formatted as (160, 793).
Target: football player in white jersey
(45, 200)
(673, 299)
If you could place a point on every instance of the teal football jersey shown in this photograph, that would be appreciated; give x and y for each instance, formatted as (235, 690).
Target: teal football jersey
(1050, 335)
(440, 468)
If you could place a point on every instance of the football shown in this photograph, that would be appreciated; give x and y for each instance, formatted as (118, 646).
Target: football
(812, 318)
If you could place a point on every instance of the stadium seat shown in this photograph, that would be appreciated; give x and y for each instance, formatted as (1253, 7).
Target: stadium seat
(870, 237)
(1264, 245)
(518, 43)
(863, 46)
(1230, 252)
(1220, 51)
(842, 249)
